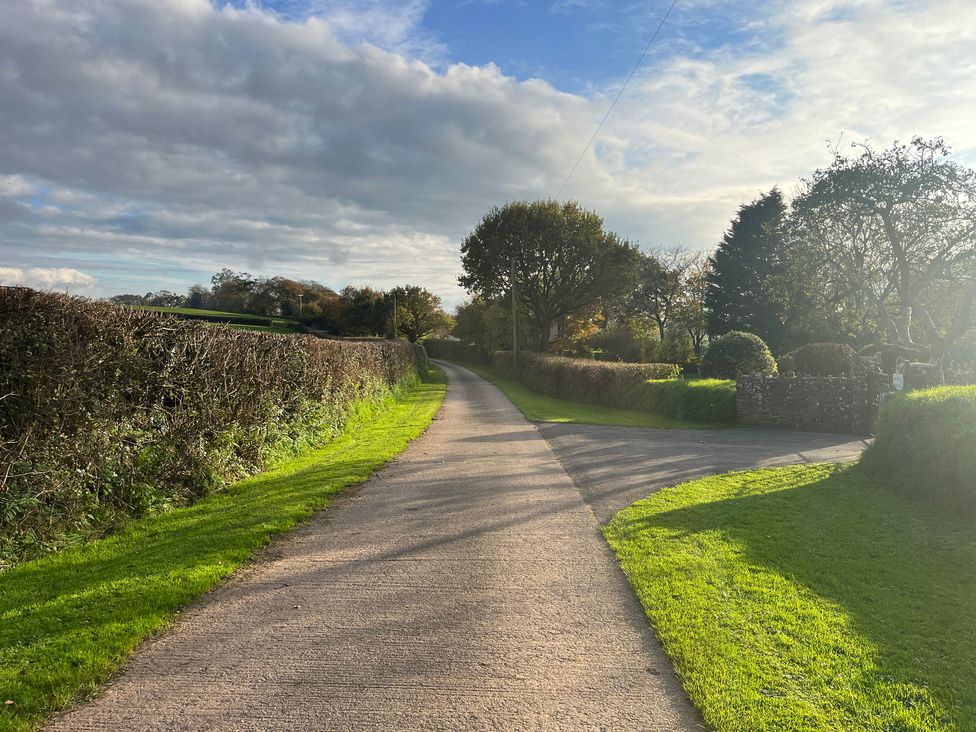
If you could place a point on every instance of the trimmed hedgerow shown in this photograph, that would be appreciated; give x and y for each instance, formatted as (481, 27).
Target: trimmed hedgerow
(650, 387)
(737, 353)
(109, 412)
(456, 351)
(925, 445)
(820, 359)
(580, 379)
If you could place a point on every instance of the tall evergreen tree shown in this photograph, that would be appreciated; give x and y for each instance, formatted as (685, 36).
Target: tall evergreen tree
(746, 273)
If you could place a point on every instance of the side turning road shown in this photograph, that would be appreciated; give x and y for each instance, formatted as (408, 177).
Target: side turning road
(465, 587)
(615, 466)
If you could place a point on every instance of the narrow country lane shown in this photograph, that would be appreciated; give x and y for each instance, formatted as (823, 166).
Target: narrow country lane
(466, 586)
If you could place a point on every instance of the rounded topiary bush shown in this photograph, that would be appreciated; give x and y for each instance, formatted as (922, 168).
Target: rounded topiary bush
(820, 359)
(737, 353)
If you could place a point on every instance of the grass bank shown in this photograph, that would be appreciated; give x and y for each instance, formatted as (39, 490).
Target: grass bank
(68, 621)
(541, 408)
(808, 598)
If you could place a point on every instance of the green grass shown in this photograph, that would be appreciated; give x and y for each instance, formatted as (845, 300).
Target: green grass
(808, 598)
(68, 621)
(541, 408)
(279, 322)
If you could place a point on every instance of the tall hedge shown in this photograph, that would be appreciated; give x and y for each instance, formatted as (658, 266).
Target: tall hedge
(925, 445)
(456, 351)
(108, 412)
(576, 378)
(649, 387)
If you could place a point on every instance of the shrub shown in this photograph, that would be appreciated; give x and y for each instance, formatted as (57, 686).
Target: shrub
(820, 359)
(925, 445)
(110, 411)
(737, 353)
(457, 351)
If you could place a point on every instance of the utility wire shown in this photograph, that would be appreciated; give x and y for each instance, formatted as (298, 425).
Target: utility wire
(617, 98)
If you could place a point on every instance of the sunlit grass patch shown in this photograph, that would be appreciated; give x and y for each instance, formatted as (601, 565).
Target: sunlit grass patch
(808, 598)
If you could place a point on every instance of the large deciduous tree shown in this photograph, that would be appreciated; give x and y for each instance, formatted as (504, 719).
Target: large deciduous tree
(744, 284)
(557, 256)
(418, 312)
(892, 234)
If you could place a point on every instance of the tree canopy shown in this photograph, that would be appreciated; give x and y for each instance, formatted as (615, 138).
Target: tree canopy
(557, 256)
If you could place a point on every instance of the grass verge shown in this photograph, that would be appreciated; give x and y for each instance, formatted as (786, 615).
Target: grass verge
(541, 408)
(808, 598)
(68, 621)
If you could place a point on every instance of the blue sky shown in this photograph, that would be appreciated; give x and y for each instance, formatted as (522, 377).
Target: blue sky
(146, 144)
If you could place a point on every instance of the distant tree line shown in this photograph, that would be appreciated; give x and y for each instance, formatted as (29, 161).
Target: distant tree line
(355, 311)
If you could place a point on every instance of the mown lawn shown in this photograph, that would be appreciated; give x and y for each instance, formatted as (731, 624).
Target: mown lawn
(541, 408)
(808, 598)
(68, 621)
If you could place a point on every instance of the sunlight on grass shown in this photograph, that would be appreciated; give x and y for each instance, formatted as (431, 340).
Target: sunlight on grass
(68, 621)
(808, 598)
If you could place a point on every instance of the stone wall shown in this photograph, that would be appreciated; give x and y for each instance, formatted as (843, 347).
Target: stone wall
(815, 403)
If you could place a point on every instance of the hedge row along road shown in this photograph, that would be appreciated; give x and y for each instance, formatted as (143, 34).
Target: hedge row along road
(467, 586)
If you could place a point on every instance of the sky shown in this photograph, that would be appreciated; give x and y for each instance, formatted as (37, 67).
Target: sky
(146, 144)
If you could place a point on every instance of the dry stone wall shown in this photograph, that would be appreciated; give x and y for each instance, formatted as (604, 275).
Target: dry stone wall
(848, 404)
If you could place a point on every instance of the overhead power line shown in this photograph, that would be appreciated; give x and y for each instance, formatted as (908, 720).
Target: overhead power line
(617, 98)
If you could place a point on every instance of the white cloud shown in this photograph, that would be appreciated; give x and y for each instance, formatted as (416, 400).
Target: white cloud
(58, 278)
(177, 138)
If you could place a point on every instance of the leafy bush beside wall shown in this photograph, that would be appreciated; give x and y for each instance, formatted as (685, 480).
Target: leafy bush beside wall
(925, 445)
(820, 359)
(737, 353)
(109, 411)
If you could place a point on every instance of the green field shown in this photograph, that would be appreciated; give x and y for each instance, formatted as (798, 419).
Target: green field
(279, 325)
(808, 598)
(68, 621)
(541, 408)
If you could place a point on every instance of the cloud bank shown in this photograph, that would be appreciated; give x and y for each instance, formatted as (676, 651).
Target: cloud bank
(149, 144)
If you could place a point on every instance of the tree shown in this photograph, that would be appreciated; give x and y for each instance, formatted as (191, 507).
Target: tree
(557, 256)
(745, 278)
(690, 314)
(418, 312)
(893, 234)
(487, 324)
(197, 297)
(661, 287)
(363, 311)
(231, 291)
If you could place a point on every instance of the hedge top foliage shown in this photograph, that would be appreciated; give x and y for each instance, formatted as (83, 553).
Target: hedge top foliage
(108, 411)
(583, 373)
(820, 359)
(925, 445)
(737, 353)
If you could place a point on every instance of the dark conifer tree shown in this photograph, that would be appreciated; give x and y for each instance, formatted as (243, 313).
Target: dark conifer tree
(747, 272)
